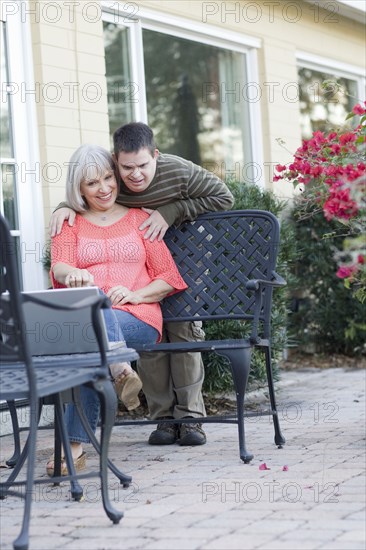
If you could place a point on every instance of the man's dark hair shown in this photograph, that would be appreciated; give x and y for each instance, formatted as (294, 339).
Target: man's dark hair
(132, 137)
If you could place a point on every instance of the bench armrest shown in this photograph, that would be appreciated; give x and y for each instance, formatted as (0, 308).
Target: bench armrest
(277, 281)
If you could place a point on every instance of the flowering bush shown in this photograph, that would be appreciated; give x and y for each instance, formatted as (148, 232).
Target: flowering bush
(330, 172)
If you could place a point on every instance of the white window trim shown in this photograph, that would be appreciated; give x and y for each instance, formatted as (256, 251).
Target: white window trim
(339, 68)
(194, 31)
(25, 137)
(137, 68)
(138, 71)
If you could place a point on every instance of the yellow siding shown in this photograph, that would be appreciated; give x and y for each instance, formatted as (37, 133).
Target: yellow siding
(71, 51)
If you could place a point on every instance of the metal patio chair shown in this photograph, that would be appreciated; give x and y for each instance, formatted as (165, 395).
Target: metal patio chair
(38, 378)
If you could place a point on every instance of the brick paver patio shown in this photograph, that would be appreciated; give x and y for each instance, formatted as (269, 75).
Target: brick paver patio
(205, 498)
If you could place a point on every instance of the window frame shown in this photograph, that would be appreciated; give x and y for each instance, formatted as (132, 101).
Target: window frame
(198, 32)
(26, 154)
(338, 68)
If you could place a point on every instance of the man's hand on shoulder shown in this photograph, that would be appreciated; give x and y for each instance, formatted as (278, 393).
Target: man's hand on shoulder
(58, 218)
(155, 224)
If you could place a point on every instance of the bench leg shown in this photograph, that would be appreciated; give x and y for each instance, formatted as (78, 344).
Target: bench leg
(240, 366)
(279, 439)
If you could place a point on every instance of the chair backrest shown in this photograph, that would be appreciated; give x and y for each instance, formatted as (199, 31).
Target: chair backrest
(216, 255)
(13, 347)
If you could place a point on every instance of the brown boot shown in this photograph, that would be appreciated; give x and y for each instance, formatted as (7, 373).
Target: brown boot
(128, 387)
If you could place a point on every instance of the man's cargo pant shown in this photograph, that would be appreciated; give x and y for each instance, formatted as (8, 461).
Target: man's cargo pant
(172, 382)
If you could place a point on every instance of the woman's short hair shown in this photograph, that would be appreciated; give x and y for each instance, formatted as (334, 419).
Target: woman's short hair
(87, 162)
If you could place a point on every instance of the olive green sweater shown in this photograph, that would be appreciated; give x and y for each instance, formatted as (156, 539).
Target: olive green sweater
(180, 190)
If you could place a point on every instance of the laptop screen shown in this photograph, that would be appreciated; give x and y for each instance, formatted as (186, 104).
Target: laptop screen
(55, 332)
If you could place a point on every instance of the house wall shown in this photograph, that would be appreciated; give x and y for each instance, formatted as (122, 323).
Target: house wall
(69, 63)
(69, 69)
(284, 27)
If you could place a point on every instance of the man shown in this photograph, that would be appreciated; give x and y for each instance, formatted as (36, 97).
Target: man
(172, 190)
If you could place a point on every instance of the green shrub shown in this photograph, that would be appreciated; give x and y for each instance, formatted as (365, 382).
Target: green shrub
(217, 375)
(328, 318)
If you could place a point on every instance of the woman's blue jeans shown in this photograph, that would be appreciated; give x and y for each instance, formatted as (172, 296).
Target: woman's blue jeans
(120, 326)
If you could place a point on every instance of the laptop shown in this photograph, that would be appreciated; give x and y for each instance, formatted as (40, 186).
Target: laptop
(54, 332)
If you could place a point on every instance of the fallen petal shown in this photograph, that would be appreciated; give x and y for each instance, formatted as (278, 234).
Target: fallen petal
(264, 466)
(285, 468)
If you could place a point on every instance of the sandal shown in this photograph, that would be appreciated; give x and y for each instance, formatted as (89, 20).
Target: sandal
(128, 388)
(79, 463)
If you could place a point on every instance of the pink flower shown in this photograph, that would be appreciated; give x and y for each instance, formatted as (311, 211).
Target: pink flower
(316, 170)
(358, 110)
(336, 148)
(318, 137)
(344, 272)
(349, 137)
(280, 167)
(264, 466)
(339, 205)
(285, 468)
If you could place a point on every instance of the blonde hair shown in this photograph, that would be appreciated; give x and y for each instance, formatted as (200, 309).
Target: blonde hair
(87, 162)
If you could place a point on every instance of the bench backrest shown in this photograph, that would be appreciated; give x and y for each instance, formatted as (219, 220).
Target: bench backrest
(216, 255)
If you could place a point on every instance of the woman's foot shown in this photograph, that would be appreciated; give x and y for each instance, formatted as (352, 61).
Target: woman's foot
(78, 456)
(128, 387)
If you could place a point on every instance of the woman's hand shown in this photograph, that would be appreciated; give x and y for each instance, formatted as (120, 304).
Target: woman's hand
(120, 295)
(149, 294)
(78, 278)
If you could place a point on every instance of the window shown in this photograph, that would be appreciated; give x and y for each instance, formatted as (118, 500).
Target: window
(194, 102)
(327, 94)
(121, 92)
(20, 191)
(192, 90)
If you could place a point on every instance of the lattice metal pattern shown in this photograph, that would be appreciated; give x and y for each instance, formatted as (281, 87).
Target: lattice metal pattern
(216, 255)
(15, 381)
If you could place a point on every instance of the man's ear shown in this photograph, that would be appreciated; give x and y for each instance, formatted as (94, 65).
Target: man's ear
(156, 153)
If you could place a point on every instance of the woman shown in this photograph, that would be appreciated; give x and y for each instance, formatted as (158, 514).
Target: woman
(105, 248)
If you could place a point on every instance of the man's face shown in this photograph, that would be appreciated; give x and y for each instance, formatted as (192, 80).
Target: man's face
(137, 170)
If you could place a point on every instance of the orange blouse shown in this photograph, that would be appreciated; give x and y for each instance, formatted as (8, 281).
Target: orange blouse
(118, 255)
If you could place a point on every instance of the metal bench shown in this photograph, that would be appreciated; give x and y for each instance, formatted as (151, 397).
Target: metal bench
(228, 261)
